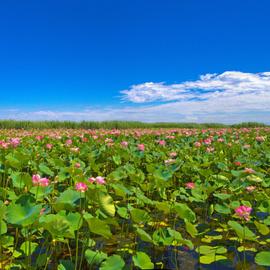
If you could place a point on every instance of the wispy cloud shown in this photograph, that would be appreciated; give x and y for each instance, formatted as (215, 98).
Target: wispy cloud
(229, 97)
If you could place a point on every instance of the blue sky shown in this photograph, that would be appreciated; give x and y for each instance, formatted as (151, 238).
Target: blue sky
(135, 60)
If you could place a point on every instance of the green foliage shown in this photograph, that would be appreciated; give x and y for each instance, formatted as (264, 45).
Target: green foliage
(161, 202)
(99, 227)
(22, 215)
(263, 258)
(95, 257)
(114, 262)
(142, 261)
(67, 200)
(243, 232)
(185, 212)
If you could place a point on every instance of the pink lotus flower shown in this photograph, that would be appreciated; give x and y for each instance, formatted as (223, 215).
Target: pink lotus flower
(141, 147)
(68, 142)
(250, 188)
(197, 144)
(44, 182)
(169, 161)
(15, 142)
(260, 139)
(190, 185)
(249, 170)
(170, 137)
(49, 146)
(173, 154)
(38, 181)
(162, 142)
(100, 180)
(243, 212)
(110, 144)
(39, 137)
(4, 145)
(210, 149)
(35, 179)
(124, 143)
(237, 163)
(108, 140)
(81, 187)
(207, 141)
(92, 179)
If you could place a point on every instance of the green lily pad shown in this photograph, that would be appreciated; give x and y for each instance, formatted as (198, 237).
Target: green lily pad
(23, 215)
(208, 259)
(142, 260)
(243, 232)
(95, 257)
(114, 262)
(28, 247)
(67, 200)
(106, 204)
(99, 227)
(263, 258)
(185, 212)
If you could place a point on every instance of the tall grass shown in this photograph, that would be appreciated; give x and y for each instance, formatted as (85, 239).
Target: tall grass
(12, 124)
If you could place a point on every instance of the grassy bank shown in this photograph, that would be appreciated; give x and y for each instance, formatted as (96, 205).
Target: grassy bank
(9, 124)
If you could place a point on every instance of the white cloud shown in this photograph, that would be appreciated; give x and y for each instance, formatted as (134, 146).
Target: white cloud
(209, 86)
(229, 97)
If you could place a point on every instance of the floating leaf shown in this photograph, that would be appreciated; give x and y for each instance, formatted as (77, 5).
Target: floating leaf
(208, 259)
(263, 258)
(244, 248)
(207, 250)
